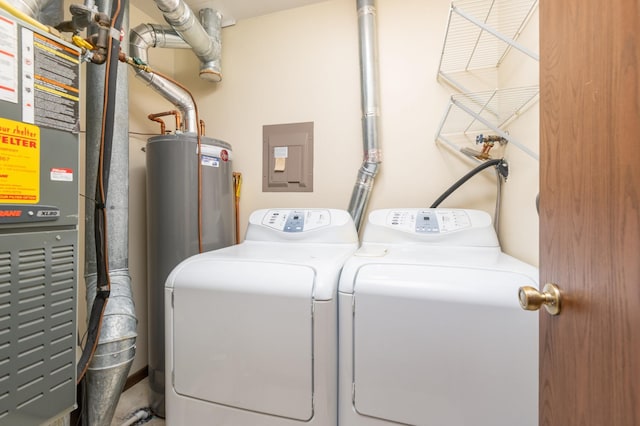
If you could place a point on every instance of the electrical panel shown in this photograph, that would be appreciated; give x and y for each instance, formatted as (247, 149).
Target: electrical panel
(287, 158)
(39, 110)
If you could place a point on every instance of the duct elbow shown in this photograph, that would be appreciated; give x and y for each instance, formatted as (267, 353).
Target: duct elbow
(141, 38)
(368, 171)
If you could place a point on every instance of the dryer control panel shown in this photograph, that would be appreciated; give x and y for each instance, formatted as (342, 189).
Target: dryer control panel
(433, 226)
(429, 221)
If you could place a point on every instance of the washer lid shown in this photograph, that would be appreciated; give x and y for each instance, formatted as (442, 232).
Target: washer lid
(243, 336)
(444, 346)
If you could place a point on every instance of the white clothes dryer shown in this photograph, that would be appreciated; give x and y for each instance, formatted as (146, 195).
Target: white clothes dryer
(251, 330)
(431, 331)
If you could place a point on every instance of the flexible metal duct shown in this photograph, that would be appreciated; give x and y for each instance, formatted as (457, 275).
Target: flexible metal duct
(368, 45)
(109, 368)
(204, 40)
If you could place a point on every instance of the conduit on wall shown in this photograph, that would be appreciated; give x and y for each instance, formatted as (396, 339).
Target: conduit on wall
(368, 45)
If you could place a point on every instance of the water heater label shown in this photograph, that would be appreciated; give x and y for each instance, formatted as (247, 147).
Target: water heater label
(19, 162)
(206, 160)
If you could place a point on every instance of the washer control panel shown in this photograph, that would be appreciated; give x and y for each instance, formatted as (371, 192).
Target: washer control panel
(296, 220)
(428, 221)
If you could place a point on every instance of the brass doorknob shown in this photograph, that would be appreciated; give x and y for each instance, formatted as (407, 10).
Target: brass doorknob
(531, 299)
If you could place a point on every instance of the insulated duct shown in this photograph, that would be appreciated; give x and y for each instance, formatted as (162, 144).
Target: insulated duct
(204, 39)
(30, 7)
(368, 46)
(141, 38)
(44, 14)
(185, 32)
(52, 13)
(109, 368)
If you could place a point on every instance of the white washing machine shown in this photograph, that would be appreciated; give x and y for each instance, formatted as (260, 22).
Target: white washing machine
(431, 331)
(251, 330)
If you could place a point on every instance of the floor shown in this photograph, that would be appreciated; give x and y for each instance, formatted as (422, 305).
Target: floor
(131, 401)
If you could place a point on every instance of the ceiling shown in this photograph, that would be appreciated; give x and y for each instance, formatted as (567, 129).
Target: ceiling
(232, 10)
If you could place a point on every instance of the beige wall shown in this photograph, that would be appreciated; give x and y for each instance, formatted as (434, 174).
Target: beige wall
(302, 65)
(519, 223)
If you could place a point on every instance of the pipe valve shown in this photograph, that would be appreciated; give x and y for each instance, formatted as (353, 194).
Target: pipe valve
(488, 143)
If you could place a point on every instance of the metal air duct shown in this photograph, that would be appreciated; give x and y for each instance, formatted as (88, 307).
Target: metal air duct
(46, 12)
(109, 368)
(204, 40)
(368, 45)
(141, 38)
(30, 7)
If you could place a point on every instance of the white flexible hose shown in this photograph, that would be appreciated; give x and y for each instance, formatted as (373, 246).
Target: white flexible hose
(137, 416)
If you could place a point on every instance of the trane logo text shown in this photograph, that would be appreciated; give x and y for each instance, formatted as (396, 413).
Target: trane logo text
(10, 213)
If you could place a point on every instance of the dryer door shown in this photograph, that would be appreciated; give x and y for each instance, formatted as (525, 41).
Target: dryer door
(444, 346)
(243, 336)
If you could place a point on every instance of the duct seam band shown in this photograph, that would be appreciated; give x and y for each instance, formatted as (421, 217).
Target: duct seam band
(367, 10)
(373, 156)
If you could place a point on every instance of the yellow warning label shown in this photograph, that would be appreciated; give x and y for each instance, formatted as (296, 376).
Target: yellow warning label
(19, 162)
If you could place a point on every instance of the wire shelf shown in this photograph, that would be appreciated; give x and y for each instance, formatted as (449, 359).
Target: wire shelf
(489, 112)
(480, 33)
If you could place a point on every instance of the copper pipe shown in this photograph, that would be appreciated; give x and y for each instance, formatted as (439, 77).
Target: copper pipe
(158, 120)
(156, 117)
(202, 127)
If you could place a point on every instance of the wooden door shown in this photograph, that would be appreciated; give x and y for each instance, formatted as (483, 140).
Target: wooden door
(590, 211)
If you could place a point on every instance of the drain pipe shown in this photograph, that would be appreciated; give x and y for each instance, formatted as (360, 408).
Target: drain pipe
(370, 110)
(109, 368)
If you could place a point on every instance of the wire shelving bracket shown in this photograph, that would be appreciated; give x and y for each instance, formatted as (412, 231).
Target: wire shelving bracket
(471, 114)
(480, 34)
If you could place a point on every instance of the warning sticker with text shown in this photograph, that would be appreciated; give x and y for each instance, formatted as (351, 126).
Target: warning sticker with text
(19, 162)
(8, 60)
(56, 79)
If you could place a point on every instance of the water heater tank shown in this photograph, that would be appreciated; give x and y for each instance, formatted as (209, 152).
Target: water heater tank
(172, 223)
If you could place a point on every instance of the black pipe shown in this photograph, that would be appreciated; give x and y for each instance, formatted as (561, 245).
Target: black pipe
(500, 164)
